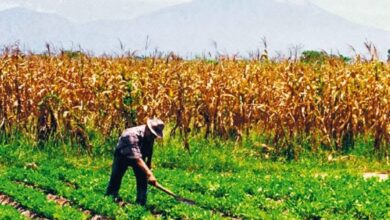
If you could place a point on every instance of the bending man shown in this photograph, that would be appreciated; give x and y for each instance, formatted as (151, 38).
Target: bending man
(135, 149)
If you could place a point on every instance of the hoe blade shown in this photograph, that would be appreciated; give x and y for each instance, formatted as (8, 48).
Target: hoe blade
(184, 200)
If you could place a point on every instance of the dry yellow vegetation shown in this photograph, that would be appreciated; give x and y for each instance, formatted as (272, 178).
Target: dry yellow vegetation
(329, 103)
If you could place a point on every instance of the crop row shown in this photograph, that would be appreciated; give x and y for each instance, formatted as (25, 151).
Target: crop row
(10, 213)
(82, 197)
(264, 192)
(87, 195)
(224, 199)
(38, 202)
(97, 179)
(248, 194)
(301, 195)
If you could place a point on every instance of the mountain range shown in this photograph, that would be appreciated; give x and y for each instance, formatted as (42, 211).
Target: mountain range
(198, 27)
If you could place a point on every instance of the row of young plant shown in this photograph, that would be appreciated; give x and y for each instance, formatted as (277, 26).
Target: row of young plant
(79, 197)
(97, 180)
(37, 201)
(248, 194)
(88, 191)
(10, 213)
(157, 201)
(277, 192)
(261, 192)
(303, 196)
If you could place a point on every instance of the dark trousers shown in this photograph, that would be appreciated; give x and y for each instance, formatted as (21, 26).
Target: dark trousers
(119, 167)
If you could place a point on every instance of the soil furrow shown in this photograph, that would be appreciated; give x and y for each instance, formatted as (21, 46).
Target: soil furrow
(6, 200)
(50, 195)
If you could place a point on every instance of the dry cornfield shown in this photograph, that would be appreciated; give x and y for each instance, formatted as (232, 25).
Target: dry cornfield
(326, 104)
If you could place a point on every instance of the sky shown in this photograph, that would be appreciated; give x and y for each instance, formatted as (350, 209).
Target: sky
(374, 13)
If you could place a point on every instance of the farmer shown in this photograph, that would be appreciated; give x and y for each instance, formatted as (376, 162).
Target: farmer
(135, 149)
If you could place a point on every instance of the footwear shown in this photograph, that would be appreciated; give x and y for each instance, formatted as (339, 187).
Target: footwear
(141, 202)
(117, 199)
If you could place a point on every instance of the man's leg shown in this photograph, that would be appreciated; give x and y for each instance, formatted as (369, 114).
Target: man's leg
(119, 167)
(142, 185)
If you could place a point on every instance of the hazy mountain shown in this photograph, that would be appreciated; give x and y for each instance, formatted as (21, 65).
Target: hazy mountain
(192, 28)
(240, 25)
(92, 10)
(33, 28)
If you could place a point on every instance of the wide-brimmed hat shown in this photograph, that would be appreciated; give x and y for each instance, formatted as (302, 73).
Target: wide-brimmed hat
(156, 126)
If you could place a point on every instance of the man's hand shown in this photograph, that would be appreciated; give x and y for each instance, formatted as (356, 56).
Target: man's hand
(152, 180)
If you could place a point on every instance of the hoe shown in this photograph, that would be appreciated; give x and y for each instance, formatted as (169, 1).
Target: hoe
(177, 197)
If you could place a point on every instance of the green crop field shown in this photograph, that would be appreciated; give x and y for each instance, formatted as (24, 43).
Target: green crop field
(244, 139)
(229, 182)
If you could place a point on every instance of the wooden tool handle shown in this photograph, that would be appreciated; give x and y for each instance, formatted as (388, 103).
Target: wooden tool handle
(167, 191)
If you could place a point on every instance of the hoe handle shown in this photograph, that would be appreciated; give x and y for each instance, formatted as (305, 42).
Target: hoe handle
(178, 198)
(167, 191)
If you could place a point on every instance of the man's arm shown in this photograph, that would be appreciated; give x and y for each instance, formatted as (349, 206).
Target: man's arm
(141, 164)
